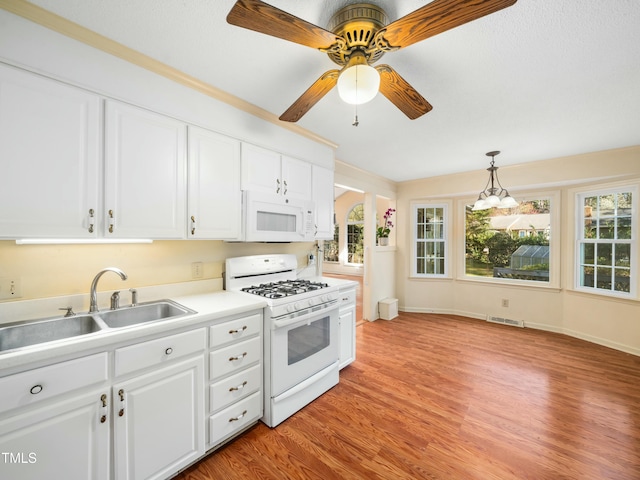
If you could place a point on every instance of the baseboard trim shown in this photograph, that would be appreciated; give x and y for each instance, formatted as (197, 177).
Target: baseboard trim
(537, 326)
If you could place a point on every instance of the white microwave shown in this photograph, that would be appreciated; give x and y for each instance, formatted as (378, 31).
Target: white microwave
(269, 217)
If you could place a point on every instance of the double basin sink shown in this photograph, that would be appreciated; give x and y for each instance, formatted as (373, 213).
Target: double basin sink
(33, 332)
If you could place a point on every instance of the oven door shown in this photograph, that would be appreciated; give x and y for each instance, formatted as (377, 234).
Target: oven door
(303, 345)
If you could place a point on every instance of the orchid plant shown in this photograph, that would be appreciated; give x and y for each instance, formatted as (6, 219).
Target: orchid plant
(385, 230)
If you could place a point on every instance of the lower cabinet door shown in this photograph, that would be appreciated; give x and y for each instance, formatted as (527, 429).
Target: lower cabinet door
(159, 421)
(66, 439)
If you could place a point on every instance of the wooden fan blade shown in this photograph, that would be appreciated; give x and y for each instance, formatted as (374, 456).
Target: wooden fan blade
(401, 94)
(437, 17)
(309, 98)
(263, 18)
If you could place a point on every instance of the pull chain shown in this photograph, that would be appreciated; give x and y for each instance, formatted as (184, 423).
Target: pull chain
(356, 122)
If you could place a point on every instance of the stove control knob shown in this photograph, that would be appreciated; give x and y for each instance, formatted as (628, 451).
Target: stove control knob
(296, 306)
(312, 302)
(290, 308)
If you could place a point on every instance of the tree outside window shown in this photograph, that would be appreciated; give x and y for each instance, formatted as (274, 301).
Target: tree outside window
(605, 241)
(355, 234)
(332, 247)
(509, 243)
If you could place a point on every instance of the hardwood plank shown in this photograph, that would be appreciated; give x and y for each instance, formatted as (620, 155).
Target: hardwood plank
(447, 397)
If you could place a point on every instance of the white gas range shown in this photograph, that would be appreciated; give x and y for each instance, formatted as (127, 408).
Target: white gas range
(301, 331)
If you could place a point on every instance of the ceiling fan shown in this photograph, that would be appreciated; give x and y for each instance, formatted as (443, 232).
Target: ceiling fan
(358, 36)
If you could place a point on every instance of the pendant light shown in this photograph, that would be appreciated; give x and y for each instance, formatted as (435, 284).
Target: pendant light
(494, 195)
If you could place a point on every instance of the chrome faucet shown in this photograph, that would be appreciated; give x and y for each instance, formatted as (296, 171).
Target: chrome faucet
(93, 296)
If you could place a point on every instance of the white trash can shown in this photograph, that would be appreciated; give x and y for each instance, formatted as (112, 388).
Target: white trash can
(388, 308)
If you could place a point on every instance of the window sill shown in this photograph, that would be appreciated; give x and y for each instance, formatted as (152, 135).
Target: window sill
(386, 248)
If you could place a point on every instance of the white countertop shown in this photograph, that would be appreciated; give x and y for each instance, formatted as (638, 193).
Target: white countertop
(209, 307)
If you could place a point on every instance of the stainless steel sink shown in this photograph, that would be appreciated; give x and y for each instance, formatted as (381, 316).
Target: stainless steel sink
(143, 313)
(23, 334)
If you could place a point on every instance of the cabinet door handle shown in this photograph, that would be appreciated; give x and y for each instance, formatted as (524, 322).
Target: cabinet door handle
(239, 387)
(121, 394)
(91, 220)
(111, 221)
(103, 399)
(278, 185)
(234, 331)
(235, 419)
(36, 389)
(238, 357)
(193, 225)
(285, 186)
(103, 418)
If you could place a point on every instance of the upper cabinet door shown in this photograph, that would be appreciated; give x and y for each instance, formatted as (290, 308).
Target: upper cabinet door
(145, 174)
(215, 202)
(296, 178)
(49, 158)
(324, 202)
(260, 170)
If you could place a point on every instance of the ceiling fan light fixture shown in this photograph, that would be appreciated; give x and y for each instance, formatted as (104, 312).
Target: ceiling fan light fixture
(358, 84)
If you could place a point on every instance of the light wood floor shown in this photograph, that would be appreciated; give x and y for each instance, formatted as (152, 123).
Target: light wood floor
(444, 397)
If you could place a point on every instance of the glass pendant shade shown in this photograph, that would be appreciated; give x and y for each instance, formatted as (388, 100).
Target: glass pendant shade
(358, 84)
(508, 202)
(481, 205)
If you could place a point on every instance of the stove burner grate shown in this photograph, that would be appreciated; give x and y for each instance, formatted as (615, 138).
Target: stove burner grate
(284, 288)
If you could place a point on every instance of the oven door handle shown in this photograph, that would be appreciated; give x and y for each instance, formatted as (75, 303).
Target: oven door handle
(302, 319)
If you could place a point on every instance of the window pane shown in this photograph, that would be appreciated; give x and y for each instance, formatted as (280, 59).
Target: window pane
(624, 227)
(605, 251)
(607, 228)
(588, 253)
(420, 215)
(622, 280)
(624, 203)
(607, 205)
(590, 229)
(623, 254)
(603, 278)
(420, 266)
(586, 277)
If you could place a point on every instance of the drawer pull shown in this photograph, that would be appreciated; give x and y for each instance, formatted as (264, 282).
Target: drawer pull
(239, 387)
(234, 331)
(235, 419)
(121, 394)
(168, 351)
(239, 357)
(36, 389)
(103, 418)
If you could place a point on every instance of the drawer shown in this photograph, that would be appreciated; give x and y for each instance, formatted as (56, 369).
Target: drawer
(231, 389)
(234, 330)
(233, 419)
(235, 357)
(42, 383)
(162, 350)
(348, 298)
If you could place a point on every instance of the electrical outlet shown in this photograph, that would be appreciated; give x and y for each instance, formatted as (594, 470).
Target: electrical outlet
(505, 302)
(197, 270)
(311, 259)
(10, 288)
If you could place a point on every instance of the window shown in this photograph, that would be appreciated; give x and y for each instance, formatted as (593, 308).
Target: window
(430, 238)
(332, 247)
(355, 232)
(607, 241)
(512, 244)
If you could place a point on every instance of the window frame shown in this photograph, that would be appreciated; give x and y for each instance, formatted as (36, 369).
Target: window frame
(446, 238)
(555, 243)
(603, 190)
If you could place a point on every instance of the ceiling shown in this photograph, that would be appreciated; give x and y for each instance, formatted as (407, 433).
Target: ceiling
(541, 79)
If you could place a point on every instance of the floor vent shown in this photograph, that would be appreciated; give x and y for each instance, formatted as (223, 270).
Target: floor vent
(505, 321)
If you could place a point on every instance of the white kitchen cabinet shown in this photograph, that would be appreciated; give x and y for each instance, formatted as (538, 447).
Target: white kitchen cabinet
(215, 201)
(324, 201)
(56, 419)
(145, 174)
(236, 377)
(159, 421)
(49, 157)
(347, 320)
(269, 172)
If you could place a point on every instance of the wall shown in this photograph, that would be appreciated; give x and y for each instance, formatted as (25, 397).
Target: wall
(599, 319)
(57, 270)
